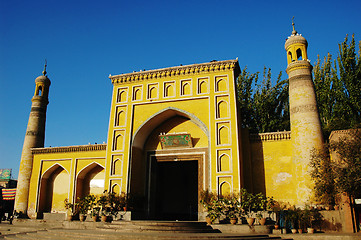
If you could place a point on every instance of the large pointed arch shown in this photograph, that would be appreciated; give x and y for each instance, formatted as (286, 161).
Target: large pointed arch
(142, 133)
(83, 178)
(53, 182)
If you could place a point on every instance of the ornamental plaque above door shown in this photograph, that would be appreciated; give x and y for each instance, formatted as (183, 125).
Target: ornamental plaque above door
(176, 140)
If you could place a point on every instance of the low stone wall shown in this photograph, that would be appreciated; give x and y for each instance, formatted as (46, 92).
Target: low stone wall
(333, 221)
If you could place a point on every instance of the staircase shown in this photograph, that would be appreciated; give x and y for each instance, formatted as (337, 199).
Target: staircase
(134, 230)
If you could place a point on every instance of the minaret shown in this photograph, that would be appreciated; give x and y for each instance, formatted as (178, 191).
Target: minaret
(34, 138)
(306, 132)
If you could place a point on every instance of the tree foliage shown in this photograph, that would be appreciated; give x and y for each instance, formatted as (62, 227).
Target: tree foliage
(342, 174)
(338, 88)
(264, 107)
(323, 175)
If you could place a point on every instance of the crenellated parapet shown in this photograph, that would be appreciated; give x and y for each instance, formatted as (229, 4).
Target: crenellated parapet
(79, 148)
(177, 71)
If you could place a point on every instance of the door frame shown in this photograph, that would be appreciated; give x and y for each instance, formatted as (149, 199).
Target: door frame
(198, 155)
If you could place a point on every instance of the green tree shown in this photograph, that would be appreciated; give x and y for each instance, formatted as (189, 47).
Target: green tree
(323, 176)
(347, 165)
(338, 88)
(342, 174)
(264, 108)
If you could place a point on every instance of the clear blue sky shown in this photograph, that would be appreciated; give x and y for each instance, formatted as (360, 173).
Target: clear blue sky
(85, 41)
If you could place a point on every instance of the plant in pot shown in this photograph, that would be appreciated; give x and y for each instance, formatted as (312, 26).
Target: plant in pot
(103, 203)
(277, 208)
(292, 218)
(312, 217)
(230, 207)
(209, 201)
(83, 207)
(94, 208)
(248, 204)
(70, 209)
(262, 205)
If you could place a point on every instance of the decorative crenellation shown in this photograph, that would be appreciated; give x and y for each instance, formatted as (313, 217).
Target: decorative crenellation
(303, 108)
(176, 71)
(79, 148)
(273, 136)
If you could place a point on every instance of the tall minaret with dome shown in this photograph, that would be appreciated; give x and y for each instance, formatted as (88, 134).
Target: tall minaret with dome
(34, 138)
(306, 132)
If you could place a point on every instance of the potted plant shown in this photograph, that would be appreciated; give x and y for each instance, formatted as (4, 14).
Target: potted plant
(209, 201)
(248, 204)
(262, 205)
(103, 203)
(311, 218)
(94, 208)
(70, 209)
(292, 218)
(230, 207)
(83, 206)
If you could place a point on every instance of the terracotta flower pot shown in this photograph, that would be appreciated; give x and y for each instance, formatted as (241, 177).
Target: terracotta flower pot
(95, 218)
(82, 217)
(208, 220)
(300, 230)
(233, 220)
(250, 221)
(70, 217)
(262, 221)
(104, 218)
(310, 230)
(294, 231)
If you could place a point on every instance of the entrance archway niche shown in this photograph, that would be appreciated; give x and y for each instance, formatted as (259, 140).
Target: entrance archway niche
(150, 163)
(54, 188)
(93, 172)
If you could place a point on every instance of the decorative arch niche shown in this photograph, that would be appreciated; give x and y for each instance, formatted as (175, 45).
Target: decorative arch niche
(87, 176)
(54, 188)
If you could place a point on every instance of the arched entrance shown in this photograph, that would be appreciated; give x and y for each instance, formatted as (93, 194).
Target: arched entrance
(169, 178)
(54, 188)
(90, 180)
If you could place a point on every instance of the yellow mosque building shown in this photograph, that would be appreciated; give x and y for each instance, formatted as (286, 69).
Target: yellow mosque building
(174, 132)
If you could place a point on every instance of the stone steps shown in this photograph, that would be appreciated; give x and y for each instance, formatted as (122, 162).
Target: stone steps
(159, 226)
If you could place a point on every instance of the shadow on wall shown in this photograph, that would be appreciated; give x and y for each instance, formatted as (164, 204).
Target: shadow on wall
(253, 164)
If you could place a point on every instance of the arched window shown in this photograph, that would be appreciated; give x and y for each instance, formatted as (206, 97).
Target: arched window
(223, 135)
(290, 56)
(224, 188)
(203, 87)
(299, 54)
(222, 109)
(224, 163)
(221, 85)
(186, 89)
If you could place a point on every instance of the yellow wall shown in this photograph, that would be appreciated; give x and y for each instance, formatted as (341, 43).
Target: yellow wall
(272, 168)
(56, 170)
(204, 93)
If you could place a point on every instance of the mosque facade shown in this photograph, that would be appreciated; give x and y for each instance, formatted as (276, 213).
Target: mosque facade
(173, 133)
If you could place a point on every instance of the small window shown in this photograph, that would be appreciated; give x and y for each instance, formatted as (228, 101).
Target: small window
(290, 55)
(299, 54)
(40, 89)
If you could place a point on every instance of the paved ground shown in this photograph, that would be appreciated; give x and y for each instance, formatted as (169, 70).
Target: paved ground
(59, 231)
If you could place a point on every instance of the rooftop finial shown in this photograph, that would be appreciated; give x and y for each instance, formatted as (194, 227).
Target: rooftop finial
(44, 72)
(294, 32)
